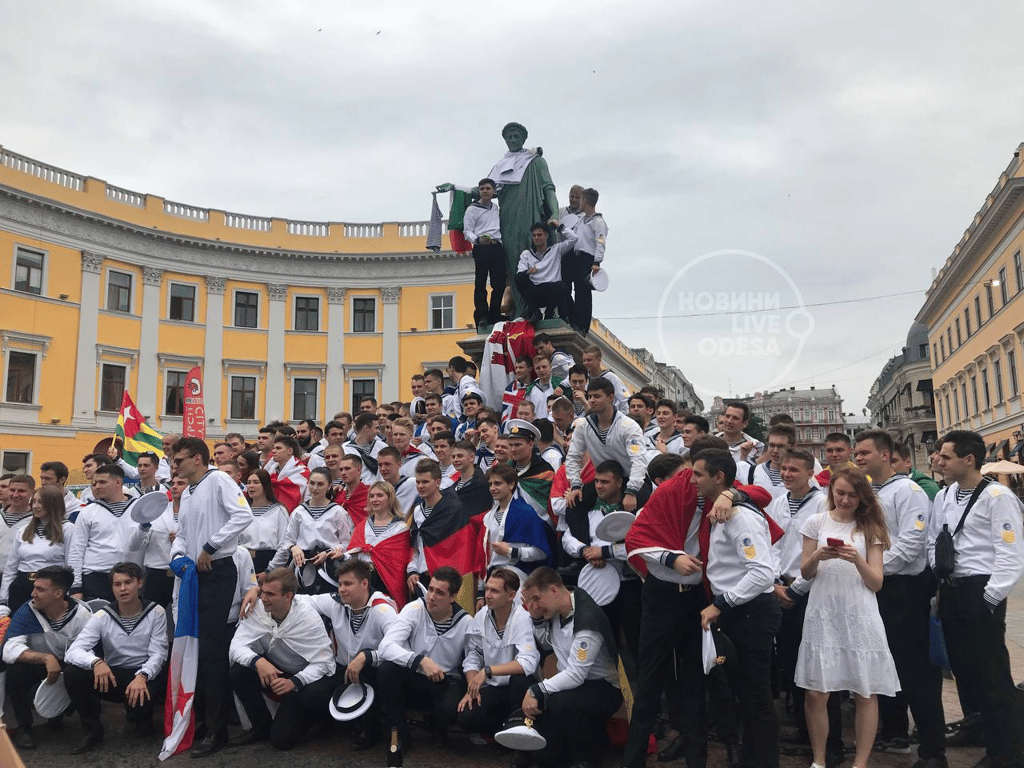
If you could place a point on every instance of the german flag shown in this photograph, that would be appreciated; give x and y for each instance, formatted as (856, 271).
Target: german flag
(136, 435)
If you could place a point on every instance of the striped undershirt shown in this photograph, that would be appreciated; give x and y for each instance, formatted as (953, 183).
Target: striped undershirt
(58, 624)
(117, 507)
(494, 623)
(774, 475)
(356, 618)
(40, 529)
(444, 626)
(316, 512)
(129, 623)
(462, 482)
(426, 511)
(381, 529)
(261, 511)
(963, 493)
(602, 434)
(11, 519)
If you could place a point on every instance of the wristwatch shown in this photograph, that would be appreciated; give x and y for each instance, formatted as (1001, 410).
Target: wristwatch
(488, 673)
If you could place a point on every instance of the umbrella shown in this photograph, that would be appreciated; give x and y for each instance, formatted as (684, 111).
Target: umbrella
(1002, 468)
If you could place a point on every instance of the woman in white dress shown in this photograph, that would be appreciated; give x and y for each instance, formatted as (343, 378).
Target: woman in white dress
(844, 646)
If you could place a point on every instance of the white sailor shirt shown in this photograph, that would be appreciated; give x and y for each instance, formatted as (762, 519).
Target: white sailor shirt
(414, 635)
(740, 565)
(328, 529)
(100, 540)
(140, 645)
(352, 635)
(906, 508)
(581, 655)
(212, 514)
(516, 643)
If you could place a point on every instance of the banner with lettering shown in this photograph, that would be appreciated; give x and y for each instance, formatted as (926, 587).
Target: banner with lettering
(194, 420)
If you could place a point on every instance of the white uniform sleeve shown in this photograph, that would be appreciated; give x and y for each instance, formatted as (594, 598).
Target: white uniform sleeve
(911, 518)
(572, 546)
(1005, 522)
(469, 222)
(76, 555)
(586, 645)
(395, 645)
(157, 646)
(247, 632)
(291, 535)
(752, 544)
(527, 652)
(11, 566)
(634, 446)
(80, 652)
(474, 660)
(524, 261)
(574, 456)
(129, 471)
(230, 495)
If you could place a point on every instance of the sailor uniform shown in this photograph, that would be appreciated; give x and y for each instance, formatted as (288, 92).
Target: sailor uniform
(368, 453)
(212, 514)
(517, 525)
(622, 441)
(473, 492)
(490, 647)
(561, 362)
(591, 232)
(387, 549)
(300, 647)
(972, 605)
(31, 630)
(412, 456)
(538, 394)
(27, 557)
(265, 534)
(357, 632)
(734, 449)
(545, 287)
(553, 455)
(769, 478)
(101, 540)
(405, 490)
(584, 693)
(484, 457)
(411, 638)
(481, 221)
(314, 530)
(153, 541)
(131, 646)
(72, 506)
(742, 579)
(674, 443)
(8, 523)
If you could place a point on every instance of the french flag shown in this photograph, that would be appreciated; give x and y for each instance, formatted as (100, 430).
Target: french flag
(179, 719)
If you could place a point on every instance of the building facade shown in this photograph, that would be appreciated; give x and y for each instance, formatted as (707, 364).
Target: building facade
(816, 413)
(103, 289)
(901, 398)
(974, 312)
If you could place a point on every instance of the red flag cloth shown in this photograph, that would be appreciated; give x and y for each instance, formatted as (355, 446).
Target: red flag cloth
(355, 504)
(389, 557)
(289, 483)
(459, 242)
(666, 517)
(193, 420)
(560, 482)
(508, 340)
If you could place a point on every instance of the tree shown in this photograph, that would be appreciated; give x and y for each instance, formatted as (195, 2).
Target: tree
(756, 427)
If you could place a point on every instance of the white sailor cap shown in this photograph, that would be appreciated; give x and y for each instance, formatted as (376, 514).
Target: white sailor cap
(521, 428)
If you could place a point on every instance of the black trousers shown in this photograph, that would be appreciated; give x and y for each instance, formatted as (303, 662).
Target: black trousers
(576, 268)
(552, 296)
(296, 712)
(497, 702)
(159, 586)
(624, 614)
(217, 589)
(22, 681)
(976, 643)
(573, 722)
(903, 602)
(96, 586)
(752, 627)
(669, 658)
(787, 648)
(489, 260)
(261, 559)
(86, 699)
(401, 686)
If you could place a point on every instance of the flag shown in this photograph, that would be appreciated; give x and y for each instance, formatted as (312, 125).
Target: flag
(179, 719)
(136, 435)
(289, 483)
(193, 421)
(508, 341)
(390, 557)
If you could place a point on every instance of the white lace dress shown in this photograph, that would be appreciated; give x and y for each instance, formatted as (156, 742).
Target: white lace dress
(843, 646)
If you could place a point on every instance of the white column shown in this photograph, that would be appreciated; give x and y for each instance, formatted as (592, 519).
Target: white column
(389, 385)
(275, 408)
(334, 398)
(84, 414)
(213, 350)
(146, 391)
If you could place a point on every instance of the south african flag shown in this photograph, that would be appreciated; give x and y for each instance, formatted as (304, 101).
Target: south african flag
(136, 435)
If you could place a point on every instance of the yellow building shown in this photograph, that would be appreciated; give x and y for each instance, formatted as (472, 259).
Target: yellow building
(974, 312)
(104, 289)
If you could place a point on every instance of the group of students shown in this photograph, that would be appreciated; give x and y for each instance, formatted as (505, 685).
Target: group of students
(372, 539)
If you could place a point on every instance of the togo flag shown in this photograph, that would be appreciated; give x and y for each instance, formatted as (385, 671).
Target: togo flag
(136, 435)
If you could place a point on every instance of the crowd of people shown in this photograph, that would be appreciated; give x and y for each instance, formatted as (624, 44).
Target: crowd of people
(467, 559)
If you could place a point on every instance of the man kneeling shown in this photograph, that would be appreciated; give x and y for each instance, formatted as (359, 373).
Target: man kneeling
(132, 635)
(281, 649)
(571, 708)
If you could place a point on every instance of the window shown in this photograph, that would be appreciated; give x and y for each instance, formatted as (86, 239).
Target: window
(364, 315)
(303, 399)
(1004, 289)
(967, 321)
(174, 399)
(28, 271)
(17, 462)
(111, 387)
(989, 301)
(997, 371)
(1011, 366)
(963, 392)
(959, 340)
(949, 420)
(362, 388)
(974, 393)
(949, 339)
(977, 311)
(247, 305)
(935, 353)
(119, 291)
(956, 404)
(307, 315)
(984, 388)
(942, 347)
(923, 351)
(183, 302)
(1018, 271)
(21, 377)
(243, 397)
(442, 312)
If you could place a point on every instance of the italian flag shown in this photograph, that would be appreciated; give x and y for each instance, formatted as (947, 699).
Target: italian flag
(136, 435)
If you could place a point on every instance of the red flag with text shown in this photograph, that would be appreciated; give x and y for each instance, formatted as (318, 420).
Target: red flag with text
(194, 419)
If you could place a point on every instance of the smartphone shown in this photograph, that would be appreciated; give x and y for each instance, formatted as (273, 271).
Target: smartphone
(835, 542)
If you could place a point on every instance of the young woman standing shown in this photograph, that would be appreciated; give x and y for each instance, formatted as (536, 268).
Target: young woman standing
(41, 540)
(266, 533)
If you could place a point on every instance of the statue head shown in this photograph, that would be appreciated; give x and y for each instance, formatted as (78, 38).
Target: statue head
(514, 135)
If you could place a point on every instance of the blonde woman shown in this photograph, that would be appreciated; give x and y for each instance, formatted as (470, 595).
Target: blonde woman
(383, 540)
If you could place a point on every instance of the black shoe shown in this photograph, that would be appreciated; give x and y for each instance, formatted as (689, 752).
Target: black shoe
(932, 762)
(25, 739)
(966, 737)
(245, 738)
(208, 746)
(673, 751)
(363, 740)
(90, 740)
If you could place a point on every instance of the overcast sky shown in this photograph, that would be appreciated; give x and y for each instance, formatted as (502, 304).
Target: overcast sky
(798, 152)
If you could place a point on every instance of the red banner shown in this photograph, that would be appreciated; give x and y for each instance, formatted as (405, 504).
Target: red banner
(194, 420)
